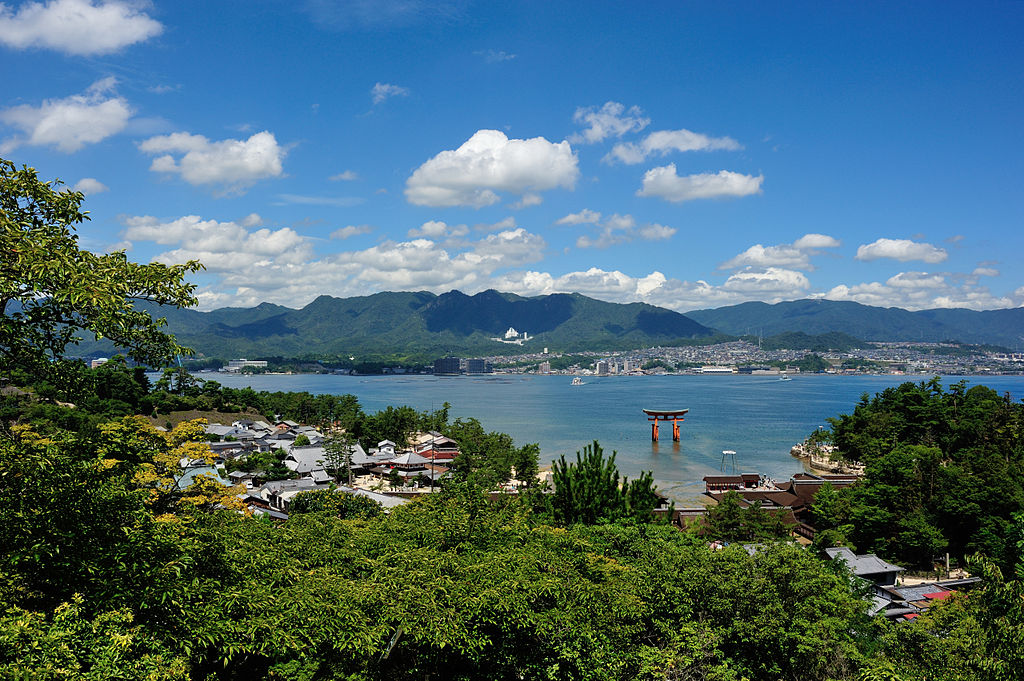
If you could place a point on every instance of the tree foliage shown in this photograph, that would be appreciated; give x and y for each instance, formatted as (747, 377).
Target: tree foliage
(51, 289)
(340, 504)
(729, 520)
(589, 490)
(944, 471)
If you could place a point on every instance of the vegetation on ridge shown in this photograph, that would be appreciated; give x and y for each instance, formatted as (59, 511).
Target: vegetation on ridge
(944, 472)
(424, 326)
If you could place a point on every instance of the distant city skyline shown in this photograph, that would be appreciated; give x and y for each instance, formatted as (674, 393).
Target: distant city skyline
(686, 155)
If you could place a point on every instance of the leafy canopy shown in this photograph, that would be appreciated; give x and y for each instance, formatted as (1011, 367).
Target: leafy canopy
(588, 490)
(51, 289)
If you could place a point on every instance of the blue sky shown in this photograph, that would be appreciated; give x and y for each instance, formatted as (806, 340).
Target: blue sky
(689, 155)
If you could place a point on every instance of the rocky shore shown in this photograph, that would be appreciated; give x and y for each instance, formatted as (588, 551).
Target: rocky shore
(824, 459)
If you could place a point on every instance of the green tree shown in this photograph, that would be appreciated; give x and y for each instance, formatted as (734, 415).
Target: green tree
(341, 504)
(338, 455)
(589, 490)
(69, 645)
(394, 479)
(51, 290)
(830, 511)
(392, 423)
(487, 458)
(301, 441)
(728, 520)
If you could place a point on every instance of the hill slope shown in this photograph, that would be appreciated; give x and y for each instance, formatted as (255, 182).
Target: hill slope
(423, 323)
(997, 327)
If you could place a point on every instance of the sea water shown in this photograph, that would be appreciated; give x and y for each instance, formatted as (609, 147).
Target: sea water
(758, 417)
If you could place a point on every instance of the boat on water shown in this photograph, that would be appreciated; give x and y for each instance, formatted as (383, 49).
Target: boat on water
(577, 381)
(785, 378)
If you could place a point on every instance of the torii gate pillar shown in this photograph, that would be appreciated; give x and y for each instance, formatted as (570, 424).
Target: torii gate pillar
(674, 415)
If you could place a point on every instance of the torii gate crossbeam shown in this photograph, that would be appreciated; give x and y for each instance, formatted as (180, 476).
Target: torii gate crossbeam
(673, 415)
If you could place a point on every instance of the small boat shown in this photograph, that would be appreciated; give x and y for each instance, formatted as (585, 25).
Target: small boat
(784, 377)
(577, 381)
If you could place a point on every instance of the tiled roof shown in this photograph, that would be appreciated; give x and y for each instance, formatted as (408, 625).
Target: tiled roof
(860, 565)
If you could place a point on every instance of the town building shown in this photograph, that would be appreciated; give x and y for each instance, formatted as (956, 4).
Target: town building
(239, 364)
(447, 366)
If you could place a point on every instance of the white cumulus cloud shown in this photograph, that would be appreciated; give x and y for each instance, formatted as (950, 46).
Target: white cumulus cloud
(526, 201)
(436, 229)
(350, 231)
(662, 142)
(657, 289)
(69, 124)
(90, 185)
(344, 176)
(901, 249)
(584, 217)
(489, 162)
(381, 91)
(769, 256)
(924, 291)
(616, 229)
(221, 246)
(510, 247)
(664, 183)
(817, 241)
(78, 27)
(610, 120)
(247, 264)
(793, 256)
(771, 280)
(232, 164)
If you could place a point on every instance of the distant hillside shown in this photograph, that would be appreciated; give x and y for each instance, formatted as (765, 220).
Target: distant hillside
(421, 323)
(825, 342)
(995, 327)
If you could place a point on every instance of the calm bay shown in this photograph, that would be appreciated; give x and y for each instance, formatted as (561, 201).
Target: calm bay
(760, 417)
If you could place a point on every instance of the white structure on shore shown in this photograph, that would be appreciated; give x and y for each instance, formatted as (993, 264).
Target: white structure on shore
(239, 364)
(718, 370)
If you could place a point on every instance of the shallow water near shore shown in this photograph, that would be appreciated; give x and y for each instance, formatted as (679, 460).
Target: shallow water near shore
(760, 417)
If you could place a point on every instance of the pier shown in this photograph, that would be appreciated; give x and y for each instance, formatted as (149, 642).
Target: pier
(673, 415)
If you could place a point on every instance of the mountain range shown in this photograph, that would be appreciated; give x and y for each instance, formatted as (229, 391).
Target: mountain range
(1003, 327)
(424, 324)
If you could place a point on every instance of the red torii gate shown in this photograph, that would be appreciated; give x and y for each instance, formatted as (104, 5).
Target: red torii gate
(673, 415)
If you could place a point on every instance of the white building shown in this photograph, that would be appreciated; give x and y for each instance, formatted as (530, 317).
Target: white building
(239, 364)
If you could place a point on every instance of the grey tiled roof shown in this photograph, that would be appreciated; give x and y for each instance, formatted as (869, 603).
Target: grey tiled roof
(917, 592)
(860, 565)
(305, 459)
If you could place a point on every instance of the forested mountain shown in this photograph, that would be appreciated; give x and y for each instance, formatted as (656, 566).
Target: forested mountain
(997, 327)
(421, 322)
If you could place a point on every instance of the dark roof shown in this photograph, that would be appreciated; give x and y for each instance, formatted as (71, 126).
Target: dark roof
(723, 479)
(861, 565)
(778, 498)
